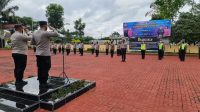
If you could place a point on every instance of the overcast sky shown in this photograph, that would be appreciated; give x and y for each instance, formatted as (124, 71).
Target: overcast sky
(101, 16)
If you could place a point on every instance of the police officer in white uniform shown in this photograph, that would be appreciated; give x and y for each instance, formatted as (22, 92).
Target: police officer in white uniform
(68, 48)
(112, 49)
(41, 39)
(123, 50)
(19, 53)
(81, 48)
(97, 49)
(92, 48)
(107, 48)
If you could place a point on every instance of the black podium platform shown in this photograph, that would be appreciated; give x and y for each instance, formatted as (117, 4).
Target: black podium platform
(27, 98)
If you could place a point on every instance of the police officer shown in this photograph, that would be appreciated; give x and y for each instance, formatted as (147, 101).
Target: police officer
(41, 38)
(160, 50)
(81, 48)
(107, 48)
(68, 48)
(92, 48)
(143, 49)
(182, 50)
(55, 49)
(97, 49)
(19, 53)
(118, 49)
(112, 49)
(63, 49)
(74, 47)
(123, 50)
(34, 48)
(59, 48)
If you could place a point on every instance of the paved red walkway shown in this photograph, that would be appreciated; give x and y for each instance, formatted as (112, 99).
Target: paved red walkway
(135, 86)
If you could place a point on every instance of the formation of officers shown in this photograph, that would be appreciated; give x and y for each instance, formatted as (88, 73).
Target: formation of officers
(161, 49)
(121, 49)
(95, 48)
(41, 40)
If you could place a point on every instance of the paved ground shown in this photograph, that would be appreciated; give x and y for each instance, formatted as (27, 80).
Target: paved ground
(135, 86)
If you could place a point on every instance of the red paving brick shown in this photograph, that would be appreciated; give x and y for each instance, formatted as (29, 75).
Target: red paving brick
(135, 86)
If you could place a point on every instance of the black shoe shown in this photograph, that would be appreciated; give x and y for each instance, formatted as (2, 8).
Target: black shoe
(45, 85)
(21, 82)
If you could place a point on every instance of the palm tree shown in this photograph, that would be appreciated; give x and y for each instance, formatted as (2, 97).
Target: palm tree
(6, 12)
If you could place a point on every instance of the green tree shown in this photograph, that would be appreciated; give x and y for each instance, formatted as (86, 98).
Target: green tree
(166, 9)
(87, 39)
(6, 12)
(79, 27)
(196, 9)
(54, 14)
(105, 38)
(27, 21)
(115, 34)
(187, 27)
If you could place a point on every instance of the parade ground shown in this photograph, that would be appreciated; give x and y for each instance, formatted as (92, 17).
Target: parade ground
(137, 85)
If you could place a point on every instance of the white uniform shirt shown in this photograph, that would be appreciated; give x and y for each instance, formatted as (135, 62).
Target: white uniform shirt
(20, 43)
(41, 39)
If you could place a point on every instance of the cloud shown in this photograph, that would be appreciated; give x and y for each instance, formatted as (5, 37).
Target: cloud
(101, 16)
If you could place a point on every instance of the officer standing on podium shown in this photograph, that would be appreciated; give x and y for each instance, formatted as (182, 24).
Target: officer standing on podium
(143, 49)
(160, 50)
(41, 38)
(19, 53)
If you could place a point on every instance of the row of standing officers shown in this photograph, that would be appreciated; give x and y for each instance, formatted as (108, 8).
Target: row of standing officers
(121, 49)
(95, 48)
(161, 49)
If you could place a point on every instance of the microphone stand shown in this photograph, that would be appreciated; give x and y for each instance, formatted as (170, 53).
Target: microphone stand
(63, 73)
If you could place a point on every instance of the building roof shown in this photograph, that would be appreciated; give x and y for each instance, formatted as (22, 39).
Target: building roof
(8, 26)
